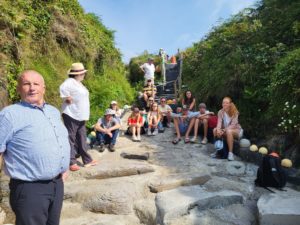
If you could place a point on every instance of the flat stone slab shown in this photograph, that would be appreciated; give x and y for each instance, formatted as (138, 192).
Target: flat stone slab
(109, 169)
(178, 202)
(279, 208)
(235, 168)
(177, 180)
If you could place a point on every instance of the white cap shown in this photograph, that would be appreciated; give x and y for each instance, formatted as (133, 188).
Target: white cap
(114, 102)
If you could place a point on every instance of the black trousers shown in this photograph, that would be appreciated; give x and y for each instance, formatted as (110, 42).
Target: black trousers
(77, 139)
(37, 202)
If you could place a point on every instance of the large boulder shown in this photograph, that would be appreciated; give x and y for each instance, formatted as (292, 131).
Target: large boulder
(175, 203)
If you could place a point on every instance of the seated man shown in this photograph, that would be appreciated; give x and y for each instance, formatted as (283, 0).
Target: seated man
(149, 90)
(107, 130)
(165, 111)
(202, 119)
(181, 123)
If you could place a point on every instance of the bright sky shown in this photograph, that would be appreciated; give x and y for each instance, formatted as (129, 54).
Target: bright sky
(169, 24)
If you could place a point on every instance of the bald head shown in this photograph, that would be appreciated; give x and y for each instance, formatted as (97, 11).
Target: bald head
(31, 86)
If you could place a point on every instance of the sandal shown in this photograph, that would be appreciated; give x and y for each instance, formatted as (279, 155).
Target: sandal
(176, 140)
(187, 140)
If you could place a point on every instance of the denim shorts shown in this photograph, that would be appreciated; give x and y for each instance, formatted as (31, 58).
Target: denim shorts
(183, 128)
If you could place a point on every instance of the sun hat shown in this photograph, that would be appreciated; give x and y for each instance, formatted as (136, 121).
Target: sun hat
(114, 102)
(77, 69)
(202, 105)
(109, 112)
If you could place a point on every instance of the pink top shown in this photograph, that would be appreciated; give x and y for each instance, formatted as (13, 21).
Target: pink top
(233, 123)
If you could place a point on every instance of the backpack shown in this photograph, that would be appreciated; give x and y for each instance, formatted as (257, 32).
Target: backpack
(270, 173)
(212, 121)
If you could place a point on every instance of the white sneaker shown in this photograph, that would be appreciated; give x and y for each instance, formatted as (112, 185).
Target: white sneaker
(194, 140)
(230, 156)
(138, 138)
(149, 132)
(134, 138)
(204, 141)
(155, 132)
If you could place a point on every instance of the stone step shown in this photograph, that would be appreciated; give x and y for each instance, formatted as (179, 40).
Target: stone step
(108, 169)
(279, 208)
(175, 203)
(177, 180)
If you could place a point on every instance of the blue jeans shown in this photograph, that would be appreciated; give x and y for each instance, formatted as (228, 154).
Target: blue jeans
(105, 139)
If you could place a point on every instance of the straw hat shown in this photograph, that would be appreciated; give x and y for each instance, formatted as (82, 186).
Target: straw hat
(77, 69)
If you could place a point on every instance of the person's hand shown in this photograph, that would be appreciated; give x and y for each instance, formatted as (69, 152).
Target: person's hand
(109, 134)
(69, 100)
(64, 175)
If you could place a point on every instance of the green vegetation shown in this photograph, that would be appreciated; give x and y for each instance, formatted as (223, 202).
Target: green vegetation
(254, 58)
(48, 36)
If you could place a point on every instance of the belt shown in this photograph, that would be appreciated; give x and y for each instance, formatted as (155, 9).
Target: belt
(36, 181)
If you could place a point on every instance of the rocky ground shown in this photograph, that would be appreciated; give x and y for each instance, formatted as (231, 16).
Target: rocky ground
(155, 182)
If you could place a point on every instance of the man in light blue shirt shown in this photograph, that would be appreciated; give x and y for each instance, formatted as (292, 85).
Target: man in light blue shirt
(36, 151)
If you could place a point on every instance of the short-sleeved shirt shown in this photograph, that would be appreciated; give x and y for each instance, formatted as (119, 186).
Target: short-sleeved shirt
(164, 109)
(149, 70)
(107, 124)
(149, 89)
(34, 142)
(79, 109)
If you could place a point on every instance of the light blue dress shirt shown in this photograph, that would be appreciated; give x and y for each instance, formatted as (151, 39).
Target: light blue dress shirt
(34, 142)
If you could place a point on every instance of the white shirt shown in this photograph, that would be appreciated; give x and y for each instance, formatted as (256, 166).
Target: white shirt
(164, 109)
(149, 70)
(79, 109)
(226, 120)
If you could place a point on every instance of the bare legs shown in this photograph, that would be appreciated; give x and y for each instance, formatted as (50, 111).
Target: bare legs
(229, 134)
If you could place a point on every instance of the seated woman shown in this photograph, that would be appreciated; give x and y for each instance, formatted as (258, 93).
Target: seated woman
(118, 112)
(228, 125)
(135, 122)
(189, 100)
(153, 119)
(107, 130)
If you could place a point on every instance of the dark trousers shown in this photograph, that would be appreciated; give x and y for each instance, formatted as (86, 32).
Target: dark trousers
(77, 139)
(38, 202)
(105, 139)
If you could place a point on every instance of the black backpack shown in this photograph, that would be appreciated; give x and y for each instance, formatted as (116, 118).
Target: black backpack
(270, 173)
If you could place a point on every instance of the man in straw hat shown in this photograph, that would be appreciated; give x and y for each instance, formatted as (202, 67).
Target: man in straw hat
(36, 150)
(75, 111)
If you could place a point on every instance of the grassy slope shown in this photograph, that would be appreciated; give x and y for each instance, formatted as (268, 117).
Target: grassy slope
(50, 35)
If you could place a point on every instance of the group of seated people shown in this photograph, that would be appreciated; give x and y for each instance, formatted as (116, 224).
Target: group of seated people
(155, 117)
(187, 121)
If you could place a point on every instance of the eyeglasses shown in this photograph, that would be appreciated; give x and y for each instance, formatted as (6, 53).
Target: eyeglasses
(154, 106)
(162, 101)
(150, 100)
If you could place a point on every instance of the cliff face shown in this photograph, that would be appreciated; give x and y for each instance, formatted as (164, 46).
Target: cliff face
(48, 36)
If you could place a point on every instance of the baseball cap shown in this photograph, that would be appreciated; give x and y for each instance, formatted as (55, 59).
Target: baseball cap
(109, 112)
